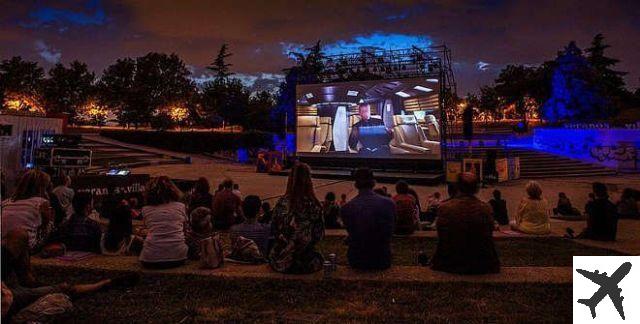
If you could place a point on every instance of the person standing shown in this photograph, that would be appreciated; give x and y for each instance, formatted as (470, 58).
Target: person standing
(465, 232)
(297, 225)
(369, 219)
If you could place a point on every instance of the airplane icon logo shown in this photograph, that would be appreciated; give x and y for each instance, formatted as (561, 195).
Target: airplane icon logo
(608, 287)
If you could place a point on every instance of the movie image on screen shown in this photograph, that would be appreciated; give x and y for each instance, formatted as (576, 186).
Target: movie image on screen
(372, 119)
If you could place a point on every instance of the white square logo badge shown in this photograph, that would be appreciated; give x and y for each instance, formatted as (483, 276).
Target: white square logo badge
(606, 289)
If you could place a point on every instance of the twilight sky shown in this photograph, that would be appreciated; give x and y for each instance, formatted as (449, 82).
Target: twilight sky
(483, 35)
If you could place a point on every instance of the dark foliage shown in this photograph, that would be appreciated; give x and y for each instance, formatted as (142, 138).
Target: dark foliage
(194, 142)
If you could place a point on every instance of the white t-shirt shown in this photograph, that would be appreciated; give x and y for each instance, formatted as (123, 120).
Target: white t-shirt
(165, 239)
(22, 214)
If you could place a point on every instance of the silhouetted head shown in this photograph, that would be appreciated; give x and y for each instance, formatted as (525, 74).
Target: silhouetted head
(402, 187)
(201, 186)
(467, 183)
(534, 191)
(363, 178)
(497, 194)
(251, 206)
(330, 196)
(600, 190)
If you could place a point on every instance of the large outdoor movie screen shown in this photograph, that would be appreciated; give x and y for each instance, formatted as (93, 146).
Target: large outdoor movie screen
(371, 119)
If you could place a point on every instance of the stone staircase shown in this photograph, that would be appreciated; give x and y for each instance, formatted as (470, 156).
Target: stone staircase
(106, 155)
(538, 164)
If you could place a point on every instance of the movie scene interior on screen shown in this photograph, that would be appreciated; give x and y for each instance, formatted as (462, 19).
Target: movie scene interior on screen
(375, 119)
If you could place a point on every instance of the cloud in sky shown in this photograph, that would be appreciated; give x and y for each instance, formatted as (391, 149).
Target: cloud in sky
(482, 66)
(49, 15)
(377, 40)
(46, 52)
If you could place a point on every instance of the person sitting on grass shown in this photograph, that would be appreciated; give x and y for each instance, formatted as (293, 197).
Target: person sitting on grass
(331, 211)
(199, 229)
(499, 206)
(406, 210)
(533, 212)
(343, 199)
(119, 239)
(226, 208)
(80, 233)
(64, 193)
(602, 216)
(565, 208)
(628, 204)
(164, 217)
(297, 225)
(200, 197)
(432, 207)
(29, 209)
(252, 229)
(369, 219)
(266, 214)
(465, 232)
(25, 300)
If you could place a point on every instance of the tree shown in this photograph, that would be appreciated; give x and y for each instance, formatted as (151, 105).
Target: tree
(573, 96)
(259, 111)
(117, 91)
(139, 89)
(220, 66)
(68, 89)
(610, 83)
(513, 84)
(20, 77)
(489, 100)
(309, 68)
(226, 100)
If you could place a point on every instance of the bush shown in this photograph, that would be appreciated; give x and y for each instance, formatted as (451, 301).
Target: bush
(194, 142)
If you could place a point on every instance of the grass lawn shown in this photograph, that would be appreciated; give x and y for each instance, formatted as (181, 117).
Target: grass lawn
(181, 298)
(516, 252)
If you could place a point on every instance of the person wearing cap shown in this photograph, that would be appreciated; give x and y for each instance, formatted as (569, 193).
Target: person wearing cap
(369, 219)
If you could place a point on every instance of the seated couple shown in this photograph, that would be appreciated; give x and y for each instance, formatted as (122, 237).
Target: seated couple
(465, 229)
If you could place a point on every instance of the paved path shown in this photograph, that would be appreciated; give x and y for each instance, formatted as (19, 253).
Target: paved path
(558, 275)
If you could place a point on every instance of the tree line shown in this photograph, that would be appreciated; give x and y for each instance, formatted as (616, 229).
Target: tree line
(154, 89)
(576, 85)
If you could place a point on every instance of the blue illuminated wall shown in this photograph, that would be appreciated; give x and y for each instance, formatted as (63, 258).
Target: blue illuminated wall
(609, 147)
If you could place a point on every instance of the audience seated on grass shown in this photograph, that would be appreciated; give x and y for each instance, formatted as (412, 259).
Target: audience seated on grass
(297, 225)
(465, 229)
(499, 206)
(164, 217)
(119, 239)
(29, 209)
(406, 210)
(252, 229)
(533, 212)
(602, 216)
(628, 204)
(80, 233)
(227, 207)
(565, 209)
(331, 211)
(369, 219)
(200, 197)
(64, 193)
(25, 299)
